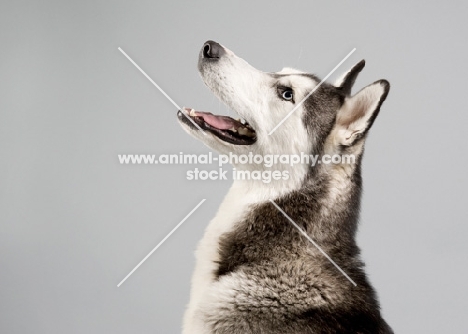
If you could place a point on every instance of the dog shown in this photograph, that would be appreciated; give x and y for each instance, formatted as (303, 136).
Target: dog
(255, 272)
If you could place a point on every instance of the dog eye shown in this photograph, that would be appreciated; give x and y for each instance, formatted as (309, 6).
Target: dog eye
(286, 93)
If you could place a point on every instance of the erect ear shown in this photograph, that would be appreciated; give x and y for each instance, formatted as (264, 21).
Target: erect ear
(358, 112)
(346, 81)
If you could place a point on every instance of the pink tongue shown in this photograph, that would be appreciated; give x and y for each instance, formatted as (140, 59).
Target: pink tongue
(219, 122)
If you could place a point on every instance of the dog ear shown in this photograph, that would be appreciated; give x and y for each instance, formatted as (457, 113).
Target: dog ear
(358, 112)
(346, 82)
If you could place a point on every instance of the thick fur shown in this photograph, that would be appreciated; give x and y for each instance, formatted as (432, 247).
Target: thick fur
(255, 272)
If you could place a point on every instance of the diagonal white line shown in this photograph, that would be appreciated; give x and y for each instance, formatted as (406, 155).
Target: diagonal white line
(160, 243)
(313, 90)
(161, 90)
(313, 243)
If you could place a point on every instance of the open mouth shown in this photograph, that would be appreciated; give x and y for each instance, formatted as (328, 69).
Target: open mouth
(233, 131)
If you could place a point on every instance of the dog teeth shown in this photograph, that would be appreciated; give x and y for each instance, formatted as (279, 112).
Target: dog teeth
(192, 112)
(245, 132)
(241, 120)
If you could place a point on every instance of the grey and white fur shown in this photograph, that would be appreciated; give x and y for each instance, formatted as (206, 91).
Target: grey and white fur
(255, 273)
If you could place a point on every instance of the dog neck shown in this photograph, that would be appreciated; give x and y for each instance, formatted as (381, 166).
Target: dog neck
(336, 180)
(329, 193)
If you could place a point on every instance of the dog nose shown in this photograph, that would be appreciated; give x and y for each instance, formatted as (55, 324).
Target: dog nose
(212, 49)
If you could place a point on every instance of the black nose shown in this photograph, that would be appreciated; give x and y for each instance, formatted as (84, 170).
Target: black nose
(212, 49)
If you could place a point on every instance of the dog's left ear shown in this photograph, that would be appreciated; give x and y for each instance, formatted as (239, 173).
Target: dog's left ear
(359, 111)
(346, 82)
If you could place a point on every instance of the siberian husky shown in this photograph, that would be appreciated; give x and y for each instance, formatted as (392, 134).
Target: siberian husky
(255, 273)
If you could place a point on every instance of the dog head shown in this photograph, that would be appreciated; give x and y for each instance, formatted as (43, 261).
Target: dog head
(279, 113)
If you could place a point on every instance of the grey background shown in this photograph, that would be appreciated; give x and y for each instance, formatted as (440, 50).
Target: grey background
(74, 222)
